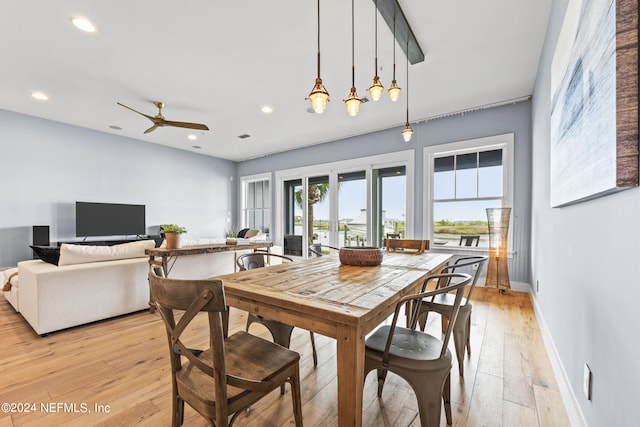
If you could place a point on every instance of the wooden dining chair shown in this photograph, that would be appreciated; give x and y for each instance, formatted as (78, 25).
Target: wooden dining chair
(409, 246)
(443, 303)
(281, 332)
(421, 359)
(234, 372)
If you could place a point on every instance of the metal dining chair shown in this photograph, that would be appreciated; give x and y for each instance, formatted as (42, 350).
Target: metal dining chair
(423, 360)
(443, 302)
(281, 332)
(315, 249)
(234, 372)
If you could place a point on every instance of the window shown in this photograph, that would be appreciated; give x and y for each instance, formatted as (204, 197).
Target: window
(463, 179)
(256, 204)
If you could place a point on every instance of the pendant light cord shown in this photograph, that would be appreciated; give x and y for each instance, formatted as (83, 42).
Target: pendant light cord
(394, 47)
(353, 57)
(318, 38)
(376, 38)
(407, 81)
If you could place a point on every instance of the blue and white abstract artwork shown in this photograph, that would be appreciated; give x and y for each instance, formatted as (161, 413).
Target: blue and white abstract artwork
(583, 104)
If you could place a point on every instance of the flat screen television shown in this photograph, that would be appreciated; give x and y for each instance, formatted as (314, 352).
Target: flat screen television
(109, 219)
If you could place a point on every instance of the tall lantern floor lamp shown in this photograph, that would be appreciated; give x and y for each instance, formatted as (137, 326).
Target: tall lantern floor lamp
(497, 269)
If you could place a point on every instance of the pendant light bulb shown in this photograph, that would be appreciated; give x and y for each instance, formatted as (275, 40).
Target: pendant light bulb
(319, 95)
(394, 90)
(407, 133)
(353, 102)
(376, 88)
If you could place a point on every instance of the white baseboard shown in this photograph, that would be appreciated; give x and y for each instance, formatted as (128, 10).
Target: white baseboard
(574, 413)
(520, 287)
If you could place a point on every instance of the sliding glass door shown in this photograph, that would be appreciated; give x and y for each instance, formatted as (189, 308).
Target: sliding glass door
(343, 205)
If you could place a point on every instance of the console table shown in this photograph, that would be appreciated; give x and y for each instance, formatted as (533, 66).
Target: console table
(165, 258)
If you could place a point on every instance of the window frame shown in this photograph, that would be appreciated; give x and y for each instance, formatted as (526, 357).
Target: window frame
(249, 179)
(504, 142)
(368, 164)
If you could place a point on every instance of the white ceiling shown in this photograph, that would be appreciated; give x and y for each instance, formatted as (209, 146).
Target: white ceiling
(219, 62)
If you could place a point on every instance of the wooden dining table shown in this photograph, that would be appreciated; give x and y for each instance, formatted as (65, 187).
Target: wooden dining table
(339, 301)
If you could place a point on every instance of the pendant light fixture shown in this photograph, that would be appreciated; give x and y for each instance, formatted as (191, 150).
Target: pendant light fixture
(407, 132)
(353, 102)
(319, 95)
(394, 90)
(376, 88)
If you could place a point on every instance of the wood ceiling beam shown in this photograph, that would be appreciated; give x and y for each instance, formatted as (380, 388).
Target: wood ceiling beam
(390, 10)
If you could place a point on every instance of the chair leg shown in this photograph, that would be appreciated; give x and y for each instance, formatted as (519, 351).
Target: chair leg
(313, 349)
(446, 398)
(296, 396)
(469, 336)
(461, 337)
(430, 398)
(382, 375)
(178, 412)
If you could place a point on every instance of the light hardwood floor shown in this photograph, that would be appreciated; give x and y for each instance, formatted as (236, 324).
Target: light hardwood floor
(119, 369)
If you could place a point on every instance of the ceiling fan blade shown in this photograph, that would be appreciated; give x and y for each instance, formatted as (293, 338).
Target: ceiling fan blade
(198, 126)
(151, 129)
(136, 111)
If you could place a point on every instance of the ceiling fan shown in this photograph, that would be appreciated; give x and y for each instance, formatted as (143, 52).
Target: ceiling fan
(159, 120)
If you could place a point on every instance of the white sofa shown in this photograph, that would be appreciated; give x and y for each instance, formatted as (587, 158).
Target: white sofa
(52, 297)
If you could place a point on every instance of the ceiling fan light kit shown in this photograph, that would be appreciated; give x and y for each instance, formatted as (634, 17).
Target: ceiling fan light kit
(159, 121)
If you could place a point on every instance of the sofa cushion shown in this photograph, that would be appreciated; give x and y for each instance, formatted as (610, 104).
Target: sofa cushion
(81, 254)
(47, 254)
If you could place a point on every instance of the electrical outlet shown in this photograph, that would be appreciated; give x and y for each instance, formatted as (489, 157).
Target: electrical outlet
(586, 382)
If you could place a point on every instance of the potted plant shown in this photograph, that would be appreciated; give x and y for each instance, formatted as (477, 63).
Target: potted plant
(231, 233)
(172, 234)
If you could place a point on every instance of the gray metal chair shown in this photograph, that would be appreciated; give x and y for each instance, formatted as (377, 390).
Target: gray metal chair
(443, 302)
(234, 372)
(281, 332)
(315, 249)
(423, 360)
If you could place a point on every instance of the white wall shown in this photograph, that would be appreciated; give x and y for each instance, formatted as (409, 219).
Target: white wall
(47, 166)
(585, 258)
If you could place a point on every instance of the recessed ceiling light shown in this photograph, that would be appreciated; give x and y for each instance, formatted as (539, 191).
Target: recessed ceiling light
(192, 137)
(83, 24)
(267, 109)
(40, 96)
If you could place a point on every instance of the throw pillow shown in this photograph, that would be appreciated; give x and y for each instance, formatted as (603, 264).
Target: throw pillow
(81, 254)
(47, 254)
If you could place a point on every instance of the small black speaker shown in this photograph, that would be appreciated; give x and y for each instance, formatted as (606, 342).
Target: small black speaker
(41, 235)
